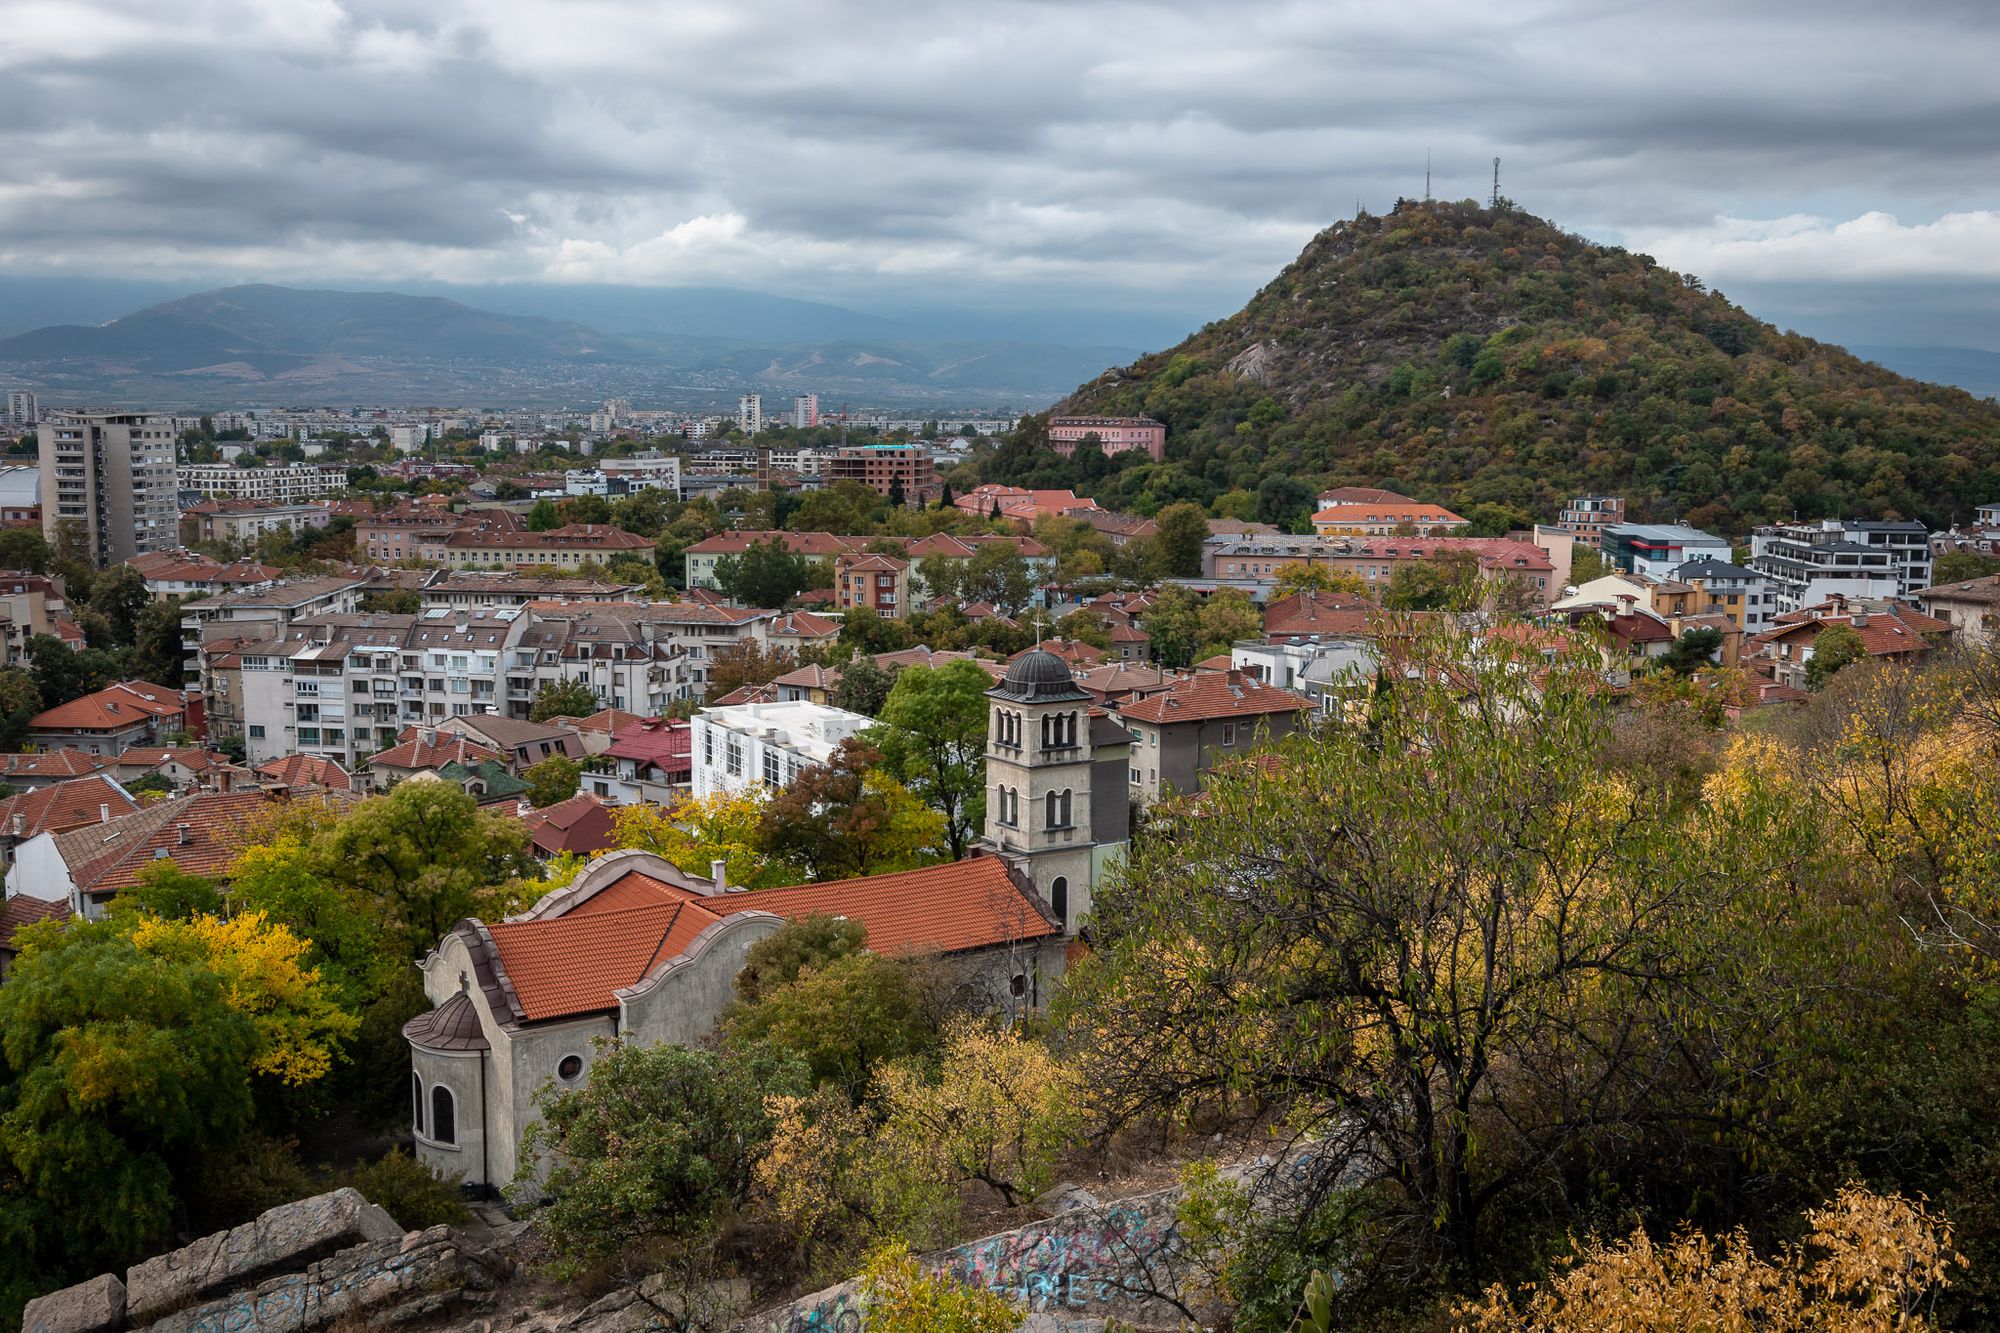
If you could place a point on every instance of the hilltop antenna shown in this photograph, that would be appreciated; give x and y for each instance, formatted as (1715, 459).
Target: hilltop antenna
(1496, 183)
(1427, 175)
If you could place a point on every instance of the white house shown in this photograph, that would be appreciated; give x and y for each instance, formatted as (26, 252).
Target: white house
(752, 745)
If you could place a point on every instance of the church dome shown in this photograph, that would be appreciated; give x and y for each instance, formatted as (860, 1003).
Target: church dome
(1039, 675)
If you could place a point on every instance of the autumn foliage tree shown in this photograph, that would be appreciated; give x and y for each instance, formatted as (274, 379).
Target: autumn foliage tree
(848, 817)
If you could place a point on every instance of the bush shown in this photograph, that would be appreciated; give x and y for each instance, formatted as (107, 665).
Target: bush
(413, 1194)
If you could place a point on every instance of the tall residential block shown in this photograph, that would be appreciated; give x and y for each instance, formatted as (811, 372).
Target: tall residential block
(113, 472)
(21, 408)
(805, 411)
(750, 413)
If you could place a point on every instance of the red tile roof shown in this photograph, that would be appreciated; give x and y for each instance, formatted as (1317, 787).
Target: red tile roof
(804, 625)
(412, 751)
(1370, 495)
(201, 834)
(305, 771)
(666, 742)
(572, 964)
(580, 825)
(113, 708)
(51, 764)
(610, 721)
(1209, 695)
(799, 543)
(1308, 613)
(64, 805)
(151, 757)
(22, 910)
(1392, 512)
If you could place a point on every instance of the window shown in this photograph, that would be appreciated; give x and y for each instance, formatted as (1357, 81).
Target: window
(1059, 899)
(1017, 985)
(708, 748)
(1056, 809)
(733, 756)
(570, 1068)
(771, 769)
(257, 732)
(444, 1115)
(1229, 733)
(416, 1103)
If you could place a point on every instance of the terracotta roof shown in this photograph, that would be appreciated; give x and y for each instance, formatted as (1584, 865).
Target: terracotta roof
(582, 825)
(1209, 695)
(747, 694)
(64, 805)
(112, 708)
(800, 543)
(1310, 612)
(22, 910)
(413, 751)
(1073, 651)
(103, 858)
(1883, 633)
(573, 964)
(804, 625)
(665, 742)
(810, 678)
(307, 771)
(151, 757)
(871, 563)
(51, 764)
(610, 721)
(1401, 511)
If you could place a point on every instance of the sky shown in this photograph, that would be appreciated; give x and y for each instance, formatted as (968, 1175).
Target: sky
(1830, 165)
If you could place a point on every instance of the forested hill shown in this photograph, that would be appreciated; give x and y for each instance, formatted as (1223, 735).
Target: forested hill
(1467, 355)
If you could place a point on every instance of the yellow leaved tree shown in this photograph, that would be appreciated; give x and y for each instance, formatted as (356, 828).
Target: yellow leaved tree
(698, 831)
(298, 1025)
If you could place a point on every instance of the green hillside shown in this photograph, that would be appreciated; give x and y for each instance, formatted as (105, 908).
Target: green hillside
(1467, 355)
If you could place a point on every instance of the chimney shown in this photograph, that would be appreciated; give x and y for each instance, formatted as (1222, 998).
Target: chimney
(428, 735)
(20, 824)
(103, 813)
(718, 871)
(185, 833)
(1858, 619)
(523, 808)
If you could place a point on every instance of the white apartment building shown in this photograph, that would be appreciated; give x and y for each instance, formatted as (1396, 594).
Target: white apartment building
(750, 413)
(281, 483)
(642, 472)
(805, 411)
(766, 745)
(22, 409)
(1804, 564)
(115, 473)
(585, 481)
(409, 439)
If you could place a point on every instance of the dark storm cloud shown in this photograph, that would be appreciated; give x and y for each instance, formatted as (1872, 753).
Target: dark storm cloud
(1138, 154)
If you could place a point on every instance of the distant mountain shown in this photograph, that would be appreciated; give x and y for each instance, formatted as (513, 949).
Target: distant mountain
(262, 343)
(1972, 369)
(263, 330)
(1469, 355)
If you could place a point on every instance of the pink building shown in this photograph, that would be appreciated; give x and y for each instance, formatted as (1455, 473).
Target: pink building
(1116, 434)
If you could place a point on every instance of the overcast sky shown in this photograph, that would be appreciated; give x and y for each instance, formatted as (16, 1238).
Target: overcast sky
(1822, 162)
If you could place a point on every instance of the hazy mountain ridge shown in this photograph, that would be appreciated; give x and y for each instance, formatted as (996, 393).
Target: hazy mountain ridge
(388, 345)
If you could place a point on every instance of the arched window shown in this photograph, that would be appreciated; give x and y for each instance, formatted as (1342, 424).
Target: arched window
(444, 1116)
(1046, 730)
(1059, 899)
(1049, 811)
(416, 1102)
(1069, 729)
(1063, 808)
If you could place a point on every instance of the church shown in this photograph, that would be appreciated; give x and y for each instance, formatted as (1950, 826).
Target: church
(635, 949)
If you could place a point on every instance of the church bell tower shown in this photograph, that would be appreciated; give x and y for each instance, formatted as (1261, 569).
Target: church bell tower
(1038, 781)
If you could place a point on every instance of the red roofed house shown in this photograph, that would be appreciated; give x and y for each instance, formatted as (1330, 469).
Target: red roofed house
(881, 583)
(86, 866)
(1022, 505)
(655, 758)
(1180, 734)
(423, 750)
(1310, 614)
(579, 826)
(59, 807)
(20, 911)
(1889, 631)
(634, 949)
(1397, 518)
(304, 772)
(115, 719)
(45, 768)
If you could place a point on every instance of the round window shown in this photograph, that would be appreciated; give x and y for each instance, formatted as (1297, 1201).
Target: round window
(569, 1068)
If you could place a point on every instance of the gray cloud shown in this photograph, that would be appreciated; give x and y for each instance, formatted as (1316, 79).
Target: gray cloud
(1139, 156)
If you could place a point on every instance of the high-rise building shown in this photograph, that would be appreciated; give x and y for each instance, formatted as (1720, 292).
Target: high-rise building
(750, 413)
(113, 472)
(1809, 563)
(21, 408)
(805, 411)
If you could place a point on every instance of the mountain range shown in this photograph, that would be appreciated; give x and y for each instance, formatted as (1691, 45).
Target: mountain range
(259, 342)
(1482, 356)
